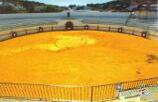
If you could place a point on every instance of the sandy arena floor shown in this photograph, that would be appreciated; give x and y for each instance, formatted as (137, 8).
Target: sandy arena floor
(77, 58)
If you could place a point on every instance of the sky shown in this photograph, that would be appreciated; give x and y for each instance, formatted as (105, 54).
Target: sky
(68, 2)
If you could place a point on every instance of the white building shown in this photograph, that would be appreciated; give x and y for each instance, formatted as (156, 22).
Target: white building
(1, 3)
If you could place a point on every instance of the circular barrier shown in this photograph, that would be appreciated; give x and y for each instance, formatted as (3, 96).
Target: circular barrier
(67, 92)
(69, 26)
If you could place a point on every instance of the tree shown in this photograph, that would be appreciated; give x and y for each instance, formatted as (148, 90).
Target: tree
(72, 6)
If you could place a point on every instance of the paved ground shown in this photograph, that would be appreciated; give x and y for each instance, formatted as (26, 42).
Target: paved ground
(149, 94)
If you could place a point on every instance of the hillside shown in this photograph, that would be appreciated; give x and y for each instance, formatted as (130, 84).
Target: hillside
(24, 6)
(121, 5)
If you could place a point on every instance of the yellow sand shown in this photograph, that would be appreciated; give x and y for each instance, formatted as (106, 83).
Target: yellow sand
(77, 58)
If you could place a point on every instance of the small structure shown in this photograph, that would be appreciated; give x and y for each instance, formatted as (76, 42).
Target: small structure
(68, 14)
(40, 29)
(120, 29)
(86, 27)
(69, 25)
(144, 34)
(14, 34)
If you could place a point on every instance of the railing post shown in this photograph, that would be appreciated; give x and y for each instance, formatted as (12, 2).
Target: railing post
(92, 93)
(52, 28)
(133, 32)
(26, 32)
(109, 28)
(97, 27)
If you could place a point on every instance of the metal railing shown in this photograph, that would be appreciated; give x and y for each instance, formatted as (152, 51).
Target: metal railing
(57, 93)
(69, 93)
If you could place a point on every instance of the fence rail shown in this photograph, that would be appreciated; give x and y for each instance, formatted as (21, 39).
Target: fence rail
(120, 29)
(72, 93)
